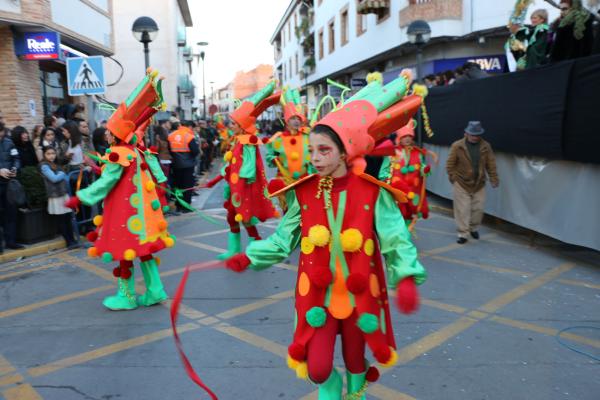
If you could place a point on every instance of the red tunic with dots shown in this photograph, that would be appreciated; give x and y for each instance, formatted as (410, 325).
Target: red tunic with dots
(245, 175)
(132, 224)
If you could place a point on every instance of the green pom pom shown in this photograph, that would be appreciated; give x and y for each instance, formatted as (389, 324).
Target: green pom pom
(108, 151)
(368, 323)
(416, 200)
(155, 204)
(316, 317)
(296, 175)
(404, 170)
(254, 221)
(173, 237)
(226, 192)
(107, 257)
(166, 208)
(130, 157)
(133, 140)
(411, 168)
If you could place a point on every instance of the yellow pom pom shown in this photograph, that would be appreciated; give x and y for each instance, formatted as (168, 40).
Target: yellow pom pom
(163, 107)
(169, 242)
(157, 260)
(97, 220)
(407, 73)
(319, 235)
(129, 255)
(92, 252)
(411, 195)
(291, 363)
(352, 240)
(228, 156)
(154, 73)
(306, 246)
(294, 156)
(393, 359)
(375, 76)
(239, 217)
(302, 371)
(420, 90)
(150, 186)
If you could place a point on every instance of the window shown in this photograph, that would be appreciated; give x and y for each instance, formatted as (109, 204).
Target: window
(284, 72)
(361, 22)
(331, 36)
(295, 20)
(296, 66)
(290, 68)
(283, 37)
(344, 25)
(321, 44)
(289, 25)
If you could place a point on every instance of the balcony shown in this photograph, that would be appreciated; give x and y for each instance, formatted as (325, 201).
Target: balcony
(378, 7)
(185, 84)
(430, 10)
(181, 36)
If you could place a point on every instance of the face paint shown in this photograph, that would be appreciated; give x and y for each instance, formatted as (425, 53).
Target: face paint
(325, 156)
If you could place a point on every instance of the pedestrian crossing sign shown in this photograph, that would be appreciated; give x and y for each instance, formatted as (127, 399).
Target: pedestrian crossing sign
(85, 75)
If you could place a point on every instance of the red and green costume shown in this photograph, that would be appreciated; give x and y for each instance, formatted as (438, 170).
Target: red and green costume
(343, 227)
(133, 225)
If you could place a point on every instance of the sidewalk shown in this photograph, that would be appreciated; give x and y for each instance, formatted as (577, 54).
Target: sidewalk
(33, 250)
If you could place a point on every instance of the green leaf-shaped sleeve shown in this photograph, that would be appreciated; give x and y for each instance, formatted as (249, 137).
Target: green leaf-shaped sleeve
(399, 252)
(271, 154)
(248, 170)
(98, 190)
(155, 168)
(278, 246)
(384, 170)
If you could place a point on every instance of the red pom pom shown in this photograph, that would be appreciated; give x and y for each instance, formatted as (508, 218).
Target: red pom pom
(113, 157)
(372, 374)
(293, 141)
(92, 236)
(265, 140)
(356, 283)
(407, 295)
(321, 277)
(117, 272)
(142, 147)
(253, 139)
(297, 352)
(275, 185)
(144, 166)
(125, 273)
(153, 149)
(382, 354)
(427, 169)
(238, 262)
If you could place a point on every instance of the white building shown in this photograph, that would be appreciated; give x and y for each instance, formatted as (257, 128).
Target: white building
(170, 51)
(335, 39)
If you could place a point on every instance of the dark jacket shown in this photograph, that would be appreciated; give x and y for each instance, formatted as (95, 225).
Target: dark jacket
(27, 154)
(459, 166)
(55, 180)
(566, 47)
(9, 156)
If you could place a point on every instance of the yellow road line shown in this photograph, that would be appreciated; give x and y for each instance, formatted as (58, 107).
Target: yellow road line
(5, 366)
(579, 283)
(11, 379)
(21, 392)
(88, 266)
(385, 393)
(108, 350)
(199, 235)
(450, 247)
(482, 266)
(30, 270)
(254, 340)
(71, 296)
(184, 310)
(443, 306)
(524, 289)
(546, 331)
(256, 305)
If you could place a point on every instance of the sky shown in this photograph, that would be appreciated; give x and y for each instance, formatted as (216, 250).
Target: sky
(238, 33)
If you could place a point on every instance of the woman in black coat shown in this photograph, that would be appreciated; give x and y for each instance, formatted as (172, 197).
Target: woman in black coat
(22, 142)
(573, 35)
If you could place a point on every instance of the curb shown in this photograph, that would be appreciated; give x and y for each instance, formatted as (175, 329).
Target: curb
(35, 250)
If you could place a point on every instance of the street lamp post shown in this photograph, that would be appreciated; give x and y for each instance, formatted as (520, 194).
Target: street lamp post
(202, 54)
(144, 30)
(419, 33)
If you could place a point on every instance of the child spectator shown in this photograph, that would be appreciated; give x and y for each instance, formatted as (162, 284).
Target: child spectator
(56, 187)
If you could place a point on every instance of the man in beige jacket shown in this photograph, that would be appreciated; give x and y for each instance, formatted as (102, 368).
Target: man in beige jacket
(469, 160)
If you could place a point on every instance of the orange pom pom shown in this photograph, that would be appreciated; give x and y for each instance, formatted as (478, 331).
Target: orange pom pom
(92, 252)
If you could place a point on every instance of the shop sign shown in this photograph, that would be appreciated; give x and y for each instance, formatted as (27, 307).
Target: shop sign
(491, 63)
(38, 45)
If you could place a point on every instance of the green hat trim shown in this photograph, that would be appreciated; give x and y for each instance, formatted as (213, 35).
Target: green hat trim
(262, 94)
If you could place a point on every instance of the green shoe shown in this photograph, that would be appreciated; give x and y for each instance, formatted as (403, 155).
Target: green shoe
(125, 297)
(234, 246)
(155, 293)
(357, 385)
(331, 389)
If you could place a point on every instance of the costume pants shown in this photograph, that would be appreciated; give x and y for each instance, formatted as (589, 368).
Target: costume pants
(322, 344)
(468, 209)
(65, 227)
(183, 178)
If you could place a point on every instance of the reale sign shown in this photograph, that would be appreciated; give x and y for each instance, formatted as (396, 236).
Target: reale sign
(38, 45)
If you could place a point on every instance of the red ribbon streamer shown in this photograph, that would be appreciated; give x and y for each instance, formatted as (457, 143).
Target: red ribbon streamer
(175, 312)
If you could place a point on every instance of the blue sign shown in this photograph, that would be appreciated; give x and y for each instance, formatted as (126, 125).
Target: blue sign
(85, 75)
(37, 45)
(492, 64)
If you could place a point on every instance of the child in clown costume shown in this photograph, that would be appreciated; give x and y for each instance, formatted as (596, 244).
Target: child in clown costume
(407, 171)
(246, 196)
(344, 221)
(133, 225)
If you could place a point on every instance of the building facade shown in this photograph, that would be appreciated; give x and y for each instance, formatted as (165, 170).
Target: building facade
(346, 39)
(36, 36)
(170, 52)
(244, 84)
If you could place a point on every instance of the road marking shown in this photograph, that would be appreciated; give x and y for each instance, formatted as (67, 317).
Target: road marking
(251, 338)
(385, 393)
(579, 283)
(544, 330)
(108, 350)
(5, 366)
(256, 305)
(450, 247)
(11, 379)
(31, 270)
(199, 235)
(526, 288)
(88, 266)
(184, 310)
(485, 267)
(21, 392)
(478, 314)
(55, 300)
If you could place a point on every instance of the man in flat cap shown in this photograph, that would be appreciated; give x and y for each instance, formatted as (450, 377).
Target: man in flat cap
(469, 160)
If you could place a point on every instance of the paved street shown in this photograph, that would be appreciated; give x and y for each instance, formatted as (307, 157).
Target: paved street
(486, 329)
